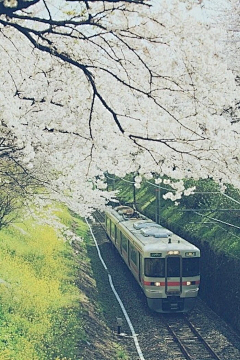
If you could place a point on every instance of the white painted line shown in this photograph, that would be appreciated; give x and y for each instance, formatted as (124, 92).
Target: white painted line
(134, 335)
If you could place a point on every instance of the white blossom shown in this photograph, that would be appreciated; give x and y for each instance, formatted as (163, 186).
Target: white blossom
(167, 85)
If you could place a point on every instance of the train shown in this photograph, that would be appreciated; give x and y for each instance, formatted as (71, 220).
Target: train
(166, 266)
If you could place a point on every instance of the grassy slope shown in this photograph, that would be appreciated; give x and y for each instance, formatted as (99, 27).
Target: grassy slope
(47, 294)
(189, 224)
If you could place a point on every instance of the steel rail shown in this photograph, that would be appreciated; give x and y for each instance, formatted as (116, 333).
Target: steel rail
(181, 344)
(197, 333)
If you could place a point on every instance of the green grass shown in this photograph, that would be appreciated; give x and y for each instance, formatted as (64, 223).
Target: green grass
(188, 224)
(40, 302)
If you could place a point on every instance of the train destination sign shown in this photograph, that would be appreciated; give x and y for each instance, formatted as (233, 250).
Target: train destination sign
(156, 255)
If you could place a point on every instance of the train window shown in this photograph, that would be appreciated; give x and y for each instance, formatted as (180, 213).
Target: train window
(133, 255)
(173, 266)
(124, 243)
(190, 266)
(113, 230)
(154, 267)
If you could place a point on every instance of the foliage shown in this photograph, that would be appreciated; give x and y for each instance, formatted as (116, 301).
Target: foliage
(40, 302)
(130, 85)
(207, 215)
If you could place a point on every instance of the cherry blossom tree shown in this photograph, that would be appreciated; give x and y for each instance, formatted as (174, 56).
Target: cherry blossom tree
(18, 184)
(231, 20)
(228, 17)
(91, 87)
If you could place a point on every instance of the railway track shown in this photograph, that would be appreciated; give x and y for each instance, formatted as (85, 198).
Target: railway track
(99, 217)
(189, 339)
(165, 336)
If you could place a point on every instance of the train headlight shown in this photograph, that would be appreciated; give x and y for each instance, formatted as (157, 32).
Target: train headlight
(157, 283)
(190, 254)
(189, 283)
(173, 252)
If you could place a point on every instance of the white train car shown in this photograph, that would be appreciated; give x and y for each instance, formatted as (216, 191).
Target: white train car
(165, 265)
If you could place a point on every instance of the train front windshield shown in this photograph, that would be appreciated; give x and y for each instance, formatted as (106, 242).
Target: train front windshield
(156, 267)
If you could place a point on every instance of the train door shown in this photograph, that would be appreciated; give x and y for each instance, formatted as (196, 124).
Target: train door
(124, 247)
(129, 253)
(120, 242)
(118, 239)
(113, 231)
(108, 225)
(173, 275)
(140, 267)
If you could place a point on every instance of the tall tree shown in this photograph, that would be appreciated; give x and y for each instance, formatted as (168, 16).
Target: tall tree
(117, 86)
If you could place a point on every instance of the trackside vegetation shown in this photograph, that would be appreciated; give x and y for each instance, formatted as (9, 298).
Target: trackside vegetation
(40, 303)
(46, 285)
(207, 215)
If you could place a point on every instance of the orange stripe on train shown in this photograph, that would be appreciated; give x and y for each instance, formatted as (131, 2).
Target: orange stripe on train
(171, 283)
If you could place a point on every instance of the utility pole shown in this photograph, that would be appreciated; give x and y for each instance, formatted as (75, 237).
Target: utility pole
(134, 196)
(157, 210)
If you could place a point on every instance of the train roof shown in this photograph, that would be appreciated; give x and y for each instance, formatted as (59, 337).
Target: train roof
(147, 234)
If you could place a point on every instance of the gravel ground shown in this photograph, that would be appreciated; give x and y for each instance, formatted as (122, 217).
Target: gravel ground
(153, 337)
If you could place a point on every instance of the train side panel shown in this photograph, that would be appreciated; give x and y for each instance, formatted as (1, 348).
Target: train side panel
(130, 254)
(167, 269)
